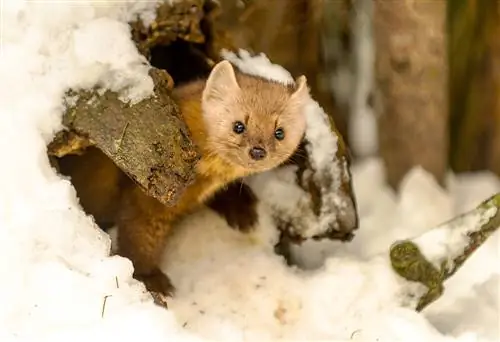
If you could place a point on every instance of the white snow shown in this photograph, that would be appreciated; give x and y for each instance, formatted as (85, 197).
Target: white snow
(55, 267)
(245, 286)
(449, 241)
(258, 65)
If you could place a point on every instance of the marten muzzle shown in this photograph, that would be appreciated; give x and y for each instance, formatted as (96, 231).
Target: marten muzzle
(257, 153)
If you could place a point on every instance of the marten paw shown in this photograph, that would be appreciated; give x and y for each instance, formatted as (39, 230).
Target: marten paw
(245, 219)
(159, 285)
(237, 204)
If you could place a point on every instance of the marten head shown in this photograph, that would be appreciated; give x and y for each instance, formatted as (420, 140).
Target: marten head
(250, 121)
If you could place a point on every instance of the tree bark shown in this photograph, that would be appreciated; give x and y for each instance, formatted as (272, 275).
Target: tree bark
(475, 85)
(411, 76)
(178, 20)
(147, 140)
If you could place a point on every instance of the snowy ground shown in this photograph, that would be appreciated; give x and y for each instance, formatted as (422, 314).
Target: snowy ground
(59, 284)
(242, 288)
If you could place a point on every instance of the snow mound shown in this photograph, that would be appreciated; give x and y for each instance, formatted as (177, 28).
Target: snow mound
(233, 286)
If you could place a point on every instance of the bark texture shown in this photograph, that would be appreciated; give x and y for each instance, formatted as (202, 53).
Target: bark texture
(411, 76)
(148, 140)
(475, 85)
(182, 20)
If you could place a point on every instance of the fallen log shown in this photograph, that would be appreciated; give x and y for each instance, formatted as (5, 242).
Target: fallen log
(147, 140)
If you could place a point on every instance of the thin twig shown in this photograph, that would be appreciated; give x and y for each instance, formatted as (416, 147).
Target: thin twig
(118, 142)
(104, 305)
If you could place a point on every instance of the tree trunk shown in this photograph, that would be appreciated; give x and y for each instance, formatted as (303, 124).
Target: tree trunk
(411, 76)
(475, 85)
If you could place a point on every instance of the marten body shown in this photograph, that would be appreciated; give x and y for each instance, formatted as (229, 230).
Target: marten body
(241, 124)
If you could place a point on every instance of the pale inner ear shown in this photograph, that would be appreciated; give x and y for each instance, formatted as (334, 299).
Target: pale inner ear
(302, 89)
(221, 82)
(301, 93)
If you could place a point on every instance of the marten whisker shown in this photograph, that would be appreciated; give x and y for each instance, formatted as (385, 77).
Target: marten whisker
(241, 186)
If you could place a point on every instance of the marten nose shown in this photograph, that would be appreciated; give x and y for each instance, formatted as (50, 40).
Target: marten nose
(257, 153)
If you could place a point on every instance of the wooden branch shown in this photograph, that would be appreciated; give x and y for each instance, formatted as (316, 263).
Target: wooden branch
(147, 140)
(436, 255)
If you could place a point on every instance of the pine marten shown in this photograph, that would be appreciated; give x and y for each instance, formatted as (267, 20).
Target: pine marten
(242, 124)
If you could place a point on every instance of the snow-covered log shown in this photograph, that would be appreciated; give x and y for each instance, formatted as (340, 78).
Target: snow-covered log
(147, 140)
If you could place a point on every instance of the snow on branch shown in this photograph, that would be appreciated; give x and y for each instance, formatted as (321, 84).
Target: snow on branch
(435, 256)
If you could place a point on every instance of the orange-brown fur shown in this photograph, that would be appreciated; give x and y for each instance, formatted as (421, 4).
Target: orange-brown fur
(144, 222)
(97, 181)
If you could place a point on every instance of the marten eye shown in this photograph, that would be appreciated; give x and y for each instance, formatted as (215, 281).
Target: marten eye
(238, 127)
(279, 134)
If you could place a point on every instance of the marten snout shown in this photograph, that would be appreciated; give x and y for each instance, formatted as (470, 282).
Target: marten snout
(257, 153)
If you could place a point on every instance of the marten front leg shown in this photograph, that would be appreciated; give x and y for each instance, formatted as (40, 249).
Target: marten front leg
(238, 205)
(144, 224)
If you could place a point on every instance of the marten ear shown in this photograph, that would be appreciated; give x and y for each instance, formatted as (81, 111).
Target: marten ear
(301, 90)
(301, 93)
(221, 82)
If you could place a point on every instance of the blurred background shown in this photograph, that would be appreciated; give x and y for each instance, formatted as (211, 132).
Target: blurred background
(416, 82)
